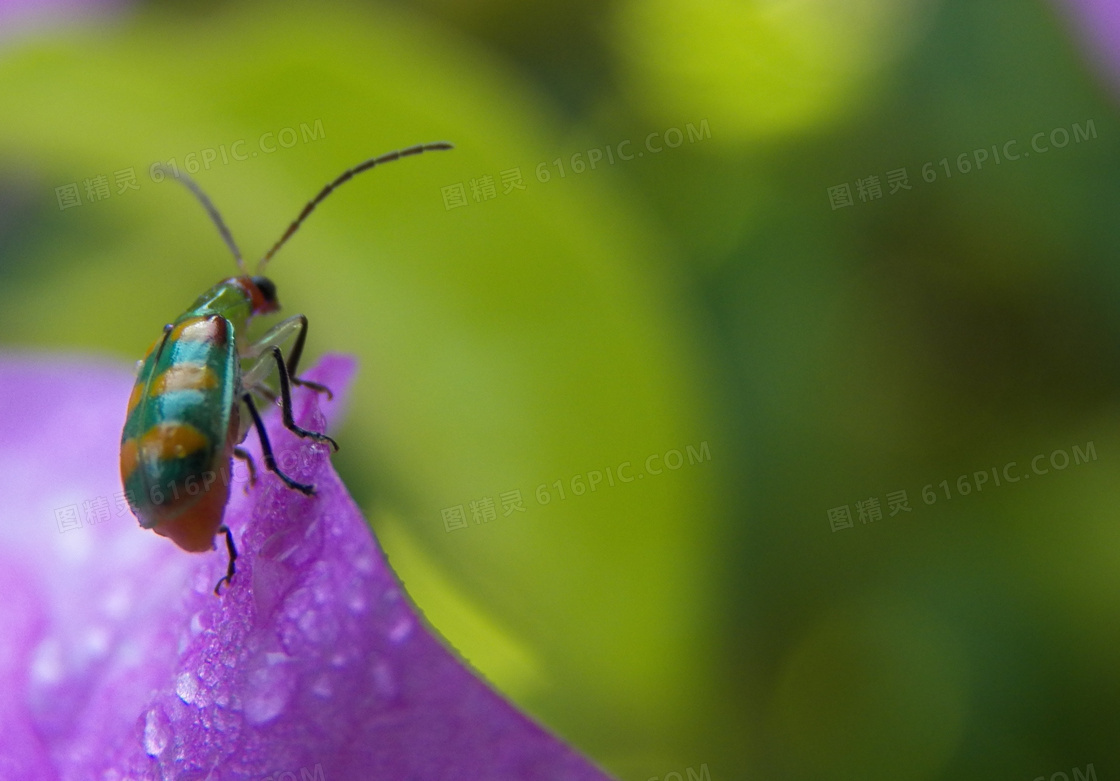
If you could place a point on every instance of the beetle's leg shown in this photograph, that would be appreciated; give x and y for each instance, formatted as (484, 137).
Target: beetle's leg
(293, 361)
(244, 455)
(231, 569)
(252, 381)
(266, 448)
(286, 403)
(279, 334)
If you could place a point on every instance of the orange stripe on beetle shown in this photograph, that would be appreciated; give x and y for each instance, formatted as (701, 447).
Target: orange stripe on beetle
(184, 376)
(129, 458)
(208, 329)
(167, 441)
(134, 399)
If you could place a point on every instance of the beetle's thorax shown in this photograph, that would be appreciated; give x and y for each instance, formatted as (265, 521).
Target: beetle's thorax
(237, 299)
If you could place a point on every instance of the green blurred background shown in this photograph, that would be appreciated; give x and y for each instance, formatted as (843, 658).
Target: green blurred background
(709, 292)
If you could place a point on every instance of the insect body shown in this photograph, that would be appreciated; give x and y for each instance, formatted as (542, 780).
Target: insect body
(193, 401)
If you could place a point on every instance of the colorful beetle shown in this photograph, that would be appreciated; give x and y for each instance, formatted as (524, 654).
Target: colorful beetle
(185, 421)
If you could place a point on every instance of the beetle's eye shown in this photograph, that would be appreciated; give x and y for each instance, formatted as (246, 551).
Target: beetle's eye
(267, 288)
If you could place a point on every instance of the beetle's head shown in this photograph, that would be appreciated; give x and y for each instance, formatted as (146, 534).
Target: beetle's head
(262, 292)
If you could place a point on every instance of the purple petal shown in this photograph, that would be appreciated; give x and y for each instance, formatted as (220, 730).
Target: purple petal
(119, 662)
(19, 15)
(1099, 24)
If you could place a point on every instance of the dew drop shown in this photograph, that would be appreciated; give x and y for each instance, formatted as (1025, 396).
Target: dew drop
(186, 686)
(356, 602)
(268, 689)
(364, 564)
(46, 666)
(308, 623)
(208, 674)
(96, 641)
(401, 629)
(322, 686)
(157, 732)
(384, 682)
(117, 602)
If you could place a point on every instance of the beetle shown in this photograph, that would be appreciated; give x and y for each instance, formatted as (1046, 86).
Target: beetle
(185, 420)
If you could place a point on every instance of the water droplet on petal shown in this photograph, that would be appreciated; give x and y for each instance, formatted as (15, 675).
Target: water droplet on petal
(46, 665)
(268, 688)
(186, 686)
(364, 564)
(96, 641)
(322, 686)
(401, 629)
(356, 602)
(157, 732)
(384, 682)
(118, 601)
(208, 674)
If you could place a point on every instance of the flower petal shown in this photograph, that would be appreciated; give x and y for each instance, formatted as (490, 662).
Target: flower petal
(313, 661)
(1099, 24)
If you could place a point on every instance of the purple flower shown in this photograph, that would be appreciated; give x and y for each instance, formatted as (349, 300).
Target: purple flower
(28, 14)
(1099, 24)
(119, 663)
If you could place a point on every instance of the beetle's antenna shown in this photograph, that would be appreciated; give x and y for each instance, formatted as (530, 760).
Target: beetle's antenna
(388, 157)
(213, 212)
